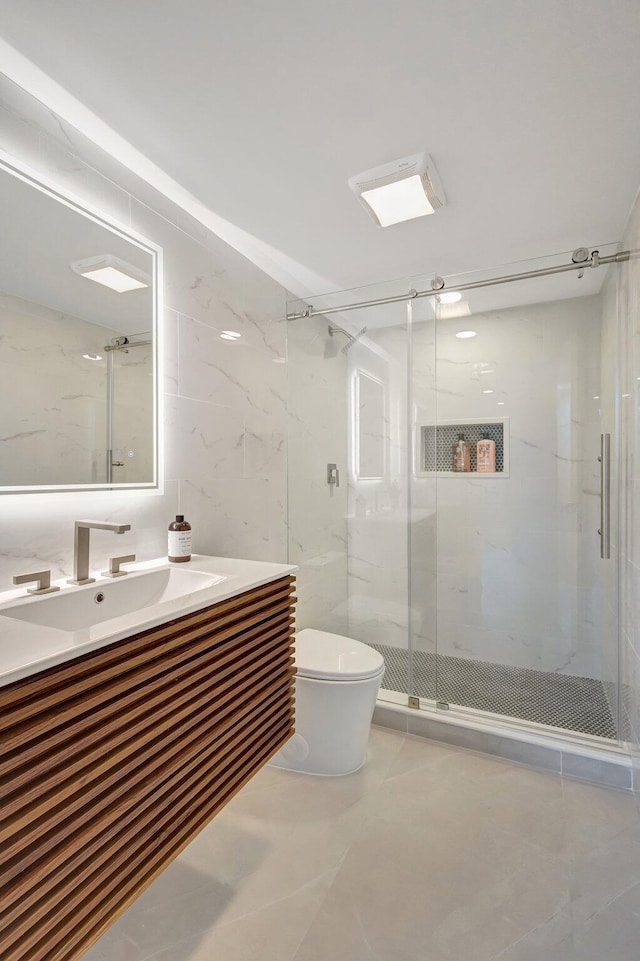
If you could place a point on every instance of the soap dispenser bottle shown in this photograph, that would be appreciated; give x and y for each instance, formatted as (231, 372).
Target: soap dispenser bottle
(179, 549)
(461, 455)
(486, 454)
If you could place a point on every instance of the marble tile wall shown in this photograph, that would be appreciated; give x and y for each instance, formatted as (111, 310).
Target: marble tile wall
(378, 506)
(225, 415)
(317, 436)
(518, 557)
(54, 430)
(53, 418)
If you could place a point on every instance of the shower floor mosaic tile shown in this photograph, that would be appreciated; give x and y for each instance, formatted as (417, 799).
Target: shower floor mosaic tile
(428, 853)
(561, 700)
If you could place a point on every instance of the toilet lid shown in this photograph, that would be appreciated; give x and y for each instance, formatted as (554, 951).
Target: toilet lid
(334, 657)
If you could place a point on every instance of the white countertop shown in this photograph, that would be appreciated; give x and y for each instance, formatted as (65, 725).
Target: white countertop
(26, 648)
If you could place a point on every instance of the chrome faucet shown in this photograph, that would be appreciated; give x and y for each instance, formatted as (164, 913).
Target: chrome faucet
(81, 547)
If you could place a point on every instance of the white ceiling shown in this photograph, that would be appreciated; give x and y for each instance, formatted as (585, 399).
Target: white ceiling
(263, 110)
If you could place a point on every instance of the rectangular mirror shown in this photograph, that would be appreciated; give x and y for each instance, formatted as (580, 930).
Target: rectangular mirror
(78, 345)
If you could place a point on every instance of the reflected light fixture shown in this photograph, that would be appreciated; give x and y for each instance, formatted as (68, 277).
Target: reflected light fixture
(487, 391)
(451, 311)
(112, 272)
(401, 190)
(449, 297)
(92, 356)
(230, 335)
(465, 334)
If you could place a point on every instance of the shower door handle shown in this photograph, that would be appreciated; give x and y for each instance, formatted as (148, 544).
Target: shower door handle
(333, 475)
(605, 496)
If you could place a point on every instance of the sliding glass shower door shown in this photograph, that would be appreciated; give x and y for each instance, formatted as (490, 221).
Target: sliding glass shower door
(507, 435)
(480, 579)
(349, 466)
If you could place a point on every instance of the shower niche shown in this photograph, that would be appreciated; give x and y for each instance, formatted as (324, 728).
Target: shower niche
(434, 445)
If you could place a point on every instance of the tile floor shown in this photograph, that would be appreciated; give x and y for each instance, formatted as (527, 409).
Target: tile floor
(430, 853)
(561, 700)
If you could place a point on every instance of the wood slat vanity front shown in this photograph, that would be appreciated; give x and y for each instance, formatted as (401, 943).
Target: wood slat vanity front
(112, 762)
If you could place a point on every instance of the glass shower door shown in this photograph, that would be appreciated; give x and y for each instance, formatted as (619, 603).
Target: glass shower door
(524, 604)
(348, 476)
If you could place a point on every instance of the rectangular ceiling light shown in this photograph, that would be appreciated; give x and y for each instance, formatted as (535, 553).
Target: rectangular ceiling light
(112, 272)
(402, 190)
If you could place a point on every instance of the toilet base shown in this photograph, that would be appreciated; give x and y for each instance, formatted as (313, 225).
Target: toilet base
(332, 724)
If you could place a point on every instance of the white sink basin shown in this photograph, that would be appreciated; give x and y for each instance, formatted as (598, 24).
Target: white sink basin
(103, 601)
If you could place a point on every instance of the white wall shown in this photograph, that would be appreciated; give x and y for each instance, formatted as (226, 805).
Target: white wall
(224, 418)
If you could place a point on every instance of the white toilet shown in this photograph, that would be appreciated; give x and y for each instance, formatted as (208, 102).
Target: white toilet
(336, 687)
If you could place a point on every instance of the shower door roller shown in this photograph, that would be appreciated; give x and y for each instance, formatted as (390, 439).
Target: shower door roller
(333, 475)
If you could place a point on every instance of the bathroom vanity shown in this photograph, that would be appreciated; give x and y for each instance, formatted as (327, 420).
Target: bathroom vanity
(121, 738)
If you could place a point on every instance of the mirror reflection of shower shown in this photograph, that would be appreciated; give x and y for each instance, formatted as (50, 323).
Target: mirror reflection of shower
(121, 345)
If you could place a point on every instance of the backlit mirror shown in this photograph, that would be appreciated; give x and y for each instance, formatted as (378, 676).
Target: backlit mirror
(78, 345)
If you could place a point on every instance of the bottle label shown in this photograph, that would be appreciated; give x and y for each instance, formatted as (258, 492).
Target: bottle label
(179, 543)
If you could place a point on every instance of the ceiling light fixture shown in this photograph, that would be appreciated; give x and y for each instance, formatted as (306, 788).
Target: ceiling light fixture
(92, 356)
(230, 335)
(401, 190)
(465, 334)
(487, 391)
(112, 272)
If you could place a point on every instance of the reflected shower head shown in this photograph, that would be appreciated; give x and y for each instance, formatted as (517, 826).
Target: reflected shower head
(351, 339)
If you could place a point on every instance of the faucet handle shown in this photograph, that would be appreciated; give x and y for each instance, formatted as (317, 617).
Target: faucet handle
(114, 565)
(42, 579)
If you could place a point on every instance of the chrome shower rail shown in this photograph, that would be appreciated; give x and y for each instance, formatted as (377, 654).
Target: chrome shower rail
(594, 260)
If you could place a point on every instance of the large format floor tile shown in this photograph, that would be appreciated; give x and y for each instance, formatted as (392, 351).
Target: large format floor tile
(430, 852)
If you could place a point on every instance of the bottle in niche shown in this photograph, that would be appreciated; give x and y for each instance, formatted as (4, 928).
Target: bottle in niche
(179, 549)
(486, 454)
(461, 455)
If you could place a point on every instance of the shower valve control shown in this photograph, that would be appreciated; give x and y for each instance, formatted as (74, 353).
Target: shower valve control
(333, 475)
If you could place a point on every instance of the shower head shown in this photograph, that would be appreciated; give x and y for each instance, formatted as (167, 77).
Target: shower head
(351, 339)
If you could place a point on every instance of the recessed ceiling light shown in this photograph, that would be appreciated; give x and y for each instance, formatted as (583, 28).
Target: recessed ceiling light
(92, 356)
(597, 397)
(230, 335)
(450, 297)
(500, 403)
(401, 190)
(112, 272)
(465, 334)
(487, 391)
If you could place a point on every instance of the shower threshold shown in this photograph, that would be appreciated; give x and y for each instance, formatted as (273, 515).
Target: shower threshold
(566, 701)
